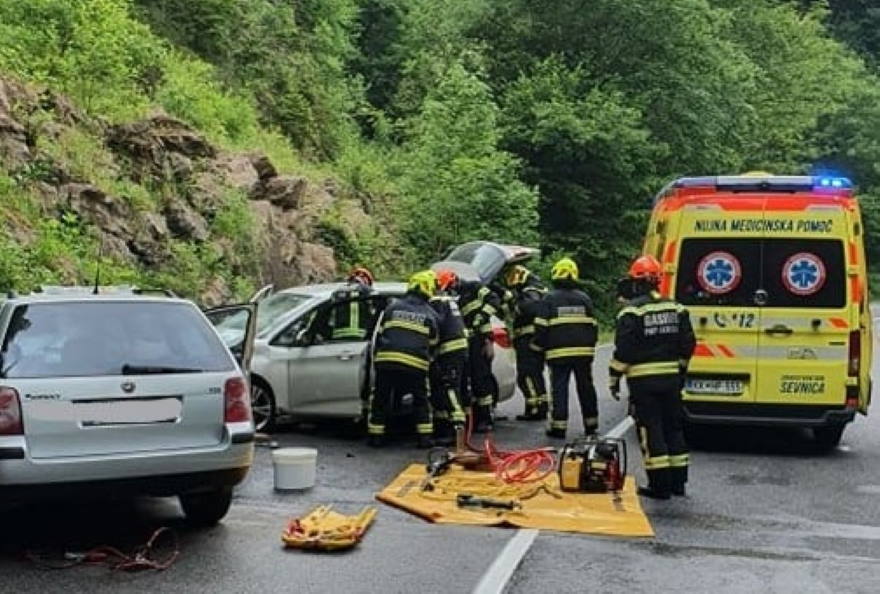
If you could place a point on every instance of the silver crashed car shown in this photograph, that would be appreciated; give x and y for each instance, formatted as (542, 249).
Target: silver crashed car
(299, 373)
(122, 392)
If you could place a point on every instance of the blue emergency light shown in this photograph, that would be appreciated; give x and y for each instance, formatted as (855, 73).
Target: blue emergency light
(833, 182)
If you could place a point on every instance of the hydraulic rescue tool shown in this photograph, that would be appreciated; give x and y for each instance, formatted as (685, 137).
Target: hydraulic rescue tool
(593, 465)
(468, 500)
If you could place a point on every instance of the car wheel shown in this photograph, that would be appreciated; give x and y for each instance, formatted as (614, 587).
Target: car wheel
(827, 438)
(207, 508)
(262, 405)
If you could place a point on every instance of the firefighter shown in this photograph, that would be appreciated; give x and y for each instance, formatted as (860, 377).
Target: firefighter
(349, 321)
(653, 344)
(478, 304)
(448, 369)
(567, 332)
(523, 305)
(405, 343)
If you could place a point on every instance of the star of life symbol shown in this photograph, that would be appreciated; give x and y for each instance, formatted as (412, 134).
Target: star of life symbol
(803, 274)
(719, 273)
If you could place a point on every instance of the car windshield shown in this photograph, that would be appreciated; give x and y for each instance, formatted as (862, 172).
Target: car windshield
(272, 308)
(232, 327)
(117, 338)
(487, 259)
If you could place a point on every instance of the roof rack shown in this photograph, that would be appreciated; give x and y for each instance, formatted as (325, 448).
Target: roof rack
(103, 290)
(760, 182)
(154, 291)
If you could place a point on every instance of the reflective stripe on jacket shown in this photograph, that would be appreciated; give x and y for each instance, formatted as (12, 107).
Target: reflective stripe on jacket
(451, 333)
(653, 337)
(566, 328)
(408, 334)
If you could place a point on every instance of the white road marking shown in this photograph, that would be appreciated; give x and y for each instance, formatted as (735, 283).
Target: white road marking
(496, 578)
(621, 428)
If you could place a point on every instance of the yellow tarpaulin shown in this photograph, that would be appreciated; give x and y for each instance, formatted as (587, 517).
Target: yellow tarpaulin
(542, 506)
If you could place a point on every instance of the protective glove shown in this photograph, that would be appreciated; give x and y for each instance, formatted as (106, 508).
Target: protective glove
(614, 389)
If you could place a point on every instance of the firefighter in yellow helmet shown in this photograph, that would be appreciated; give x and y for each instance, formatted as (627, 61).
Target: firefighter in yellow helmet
(405, 344)
(566, 332)
(653, 344)
(522, 304)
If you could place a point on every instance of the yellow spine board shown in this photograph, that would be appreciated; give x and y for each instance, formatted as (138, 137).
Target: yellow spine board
(325, 529)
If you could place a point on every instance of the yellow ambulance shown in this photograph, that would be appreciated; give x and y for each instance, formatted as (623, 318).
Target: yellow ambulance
(772, 270)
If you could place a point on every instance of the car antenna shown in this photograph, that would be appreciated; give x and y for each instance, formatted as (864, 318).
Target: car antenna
(98, 265)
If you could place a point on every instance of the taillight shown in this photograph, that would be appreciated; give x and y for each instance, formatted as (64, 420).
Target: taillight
(855, 353)
(501, 337)
(238, 401)
(10, 412)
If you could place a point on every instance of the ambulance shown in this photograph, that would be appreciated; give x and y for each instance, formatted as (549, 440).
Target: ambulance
(772, 271)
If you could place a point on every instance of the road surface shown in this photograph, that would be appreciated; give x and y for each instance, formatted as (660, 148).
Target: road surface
(766, 514)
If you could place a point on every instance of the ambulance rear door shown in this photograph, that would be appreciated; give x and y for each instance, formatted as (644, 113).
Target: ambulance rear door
(717, 276)
(806, 318)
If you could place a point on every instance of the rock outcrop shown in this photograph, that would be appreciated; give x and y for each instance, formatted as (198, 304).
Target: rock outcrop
(196, 180)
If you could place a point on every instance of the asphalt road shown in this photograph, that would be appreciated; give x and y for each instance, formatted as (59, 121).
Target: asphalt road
(765, 514)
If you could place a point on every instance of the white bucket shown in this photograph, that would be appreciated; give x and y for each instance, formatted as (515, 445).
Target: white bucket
(295, 468)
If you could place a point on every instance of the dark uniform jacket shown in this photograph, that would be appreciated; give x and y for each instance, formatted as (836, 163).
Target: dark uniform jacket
(566, 328)
(653, 338)
(451, 332)
(408, 334)
(526, 306)
(350, 321)
(478, 304)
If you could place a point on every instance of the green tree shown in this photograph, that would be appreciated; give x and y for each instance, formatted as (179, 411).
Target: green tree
(292, 57)
(455, 184)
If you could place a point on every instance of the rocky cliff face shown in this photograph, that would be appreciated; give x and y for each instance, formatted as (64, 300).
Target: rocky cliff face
(191, 182)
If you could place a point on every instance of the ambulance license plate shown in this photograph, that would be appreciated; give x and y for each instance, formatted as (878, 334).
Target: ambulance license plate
(723, 387)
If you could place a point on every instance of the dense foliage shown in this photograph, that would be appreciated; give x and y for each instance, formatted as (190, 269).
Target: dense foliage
(548, 122)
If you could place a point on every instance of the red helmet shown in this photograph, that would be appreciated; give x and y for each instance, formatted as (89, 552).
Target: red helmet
(361, 275)
(646, 267)
(446, 280)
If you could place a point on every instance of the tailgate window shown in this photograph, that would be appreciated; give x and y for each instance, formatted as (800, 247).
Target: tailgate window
(804, 273)
(718, 272)
(110, 338)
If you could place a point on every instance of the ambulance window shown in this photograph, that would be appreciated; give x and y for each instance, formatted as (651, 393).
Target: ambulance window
(718, 272)
(804, 273)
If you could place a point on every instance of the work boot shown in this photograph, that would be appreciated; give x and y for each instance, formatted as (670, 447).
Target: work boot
(424, 442)
(556, 433)
(483, 420)
(544, 410)
(653, 494)
(376, 441)
(484, 426)
(532, 414)
(444, 433)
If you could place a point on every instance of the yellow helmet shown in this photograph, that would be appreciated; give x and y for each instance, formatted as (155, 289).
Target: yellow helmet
(516, 276)
(565, 269)
(424, 282)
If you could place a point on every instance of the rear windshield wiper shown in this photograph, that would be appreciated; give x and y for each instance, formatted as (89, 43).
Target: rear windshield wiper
(156, 369)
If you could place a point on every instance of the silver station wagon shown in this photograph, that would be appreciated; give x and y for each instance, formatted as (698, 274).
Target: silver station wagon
(122, 393)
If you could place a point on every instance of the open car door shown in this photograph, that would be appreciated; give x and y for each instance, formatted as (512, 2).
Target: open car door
(262, 293)
(328, 370)
(237, 326)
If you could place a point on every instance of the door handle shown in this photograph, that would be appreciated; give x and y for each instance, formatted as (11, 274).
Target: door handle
(345, 356)
(779, 329)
